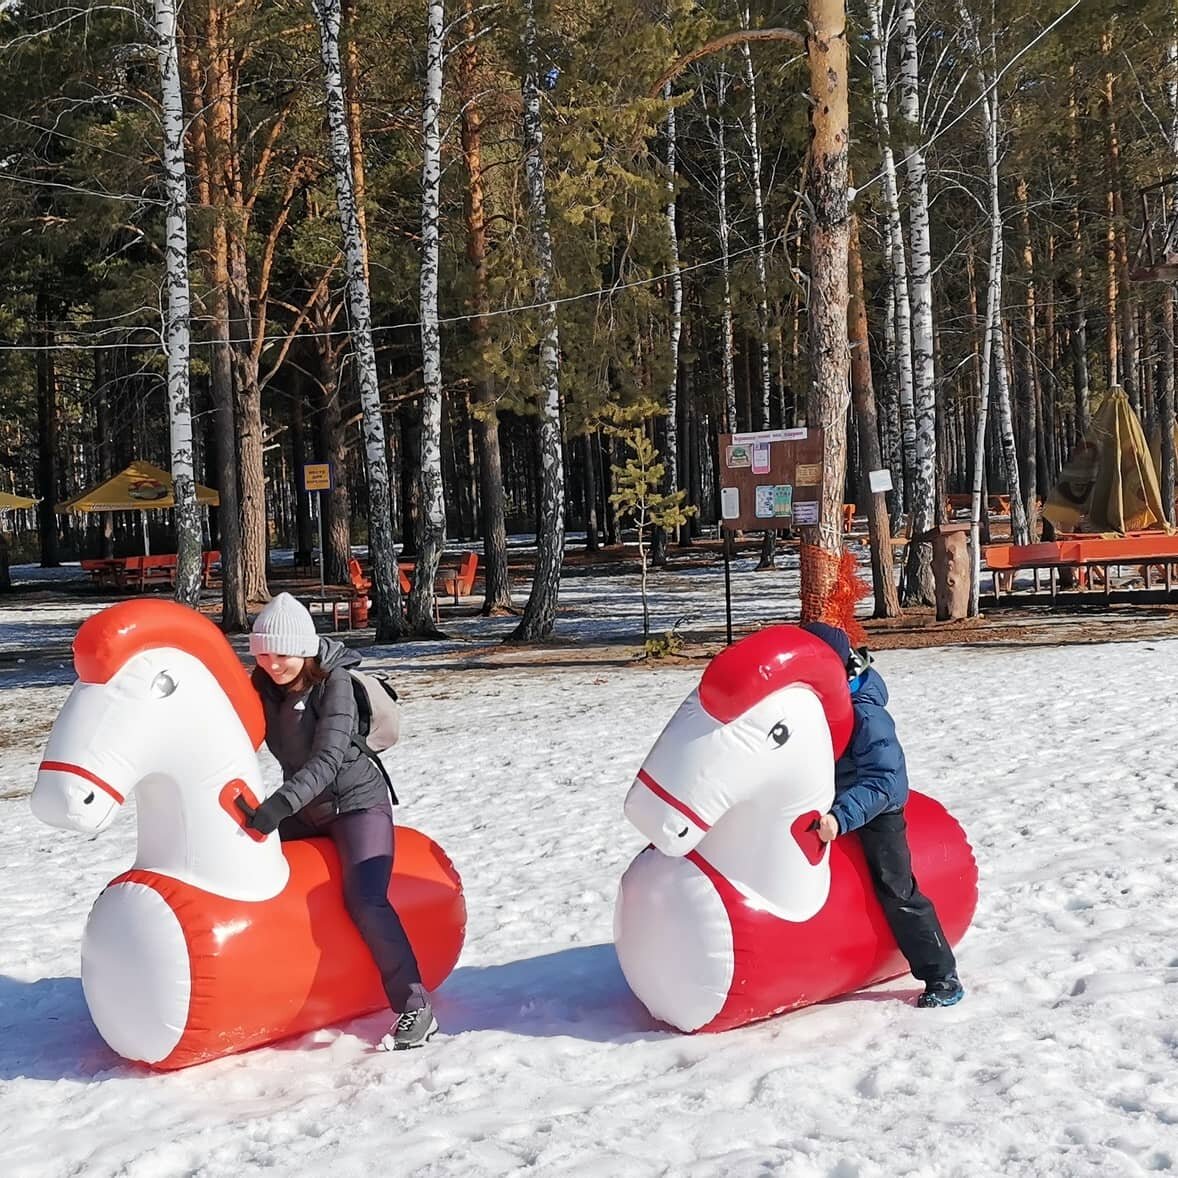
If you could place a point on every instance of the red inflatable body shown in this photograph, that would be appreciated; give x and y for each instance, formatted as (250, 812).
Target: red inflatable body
(737, 911)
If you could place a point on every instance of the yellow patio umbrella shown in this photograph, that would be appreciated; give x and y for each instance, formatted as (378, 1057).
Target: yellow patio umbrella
(15, 502)
(138, 487)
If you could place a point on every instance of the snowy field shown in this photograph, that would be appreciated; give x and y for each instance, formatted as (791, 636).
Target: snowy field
(1063, 1060)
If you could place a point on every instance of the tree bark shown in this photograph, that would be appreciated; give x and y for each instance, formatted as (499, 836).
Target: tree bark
(829, 242)
(918, 582)
(879, 528)
(432, 537)
(671, 420)
(540, 612)
(901, 327)
(234, 614)
(176, 334)
(47, 434)
(389, 626)
(496, 575)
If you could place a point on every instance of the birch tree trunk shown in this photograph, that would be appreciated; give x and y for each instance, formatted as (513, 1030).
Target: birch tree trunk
(380, 520)
(433, 506)
(48, 450)
(829, 240)
(179, 303)
(893, 430)
(727, 342)
(994, 349)
(897, 259)
(754, 142)
(919, 582)
(540, 612)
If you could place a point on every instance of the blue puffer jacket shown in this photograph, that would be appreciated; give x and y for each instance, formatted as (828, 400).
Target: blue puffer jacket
(871, 777)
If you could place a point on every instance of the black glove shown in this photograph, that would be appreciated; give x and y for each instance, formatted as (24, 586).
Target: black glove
(266, 817)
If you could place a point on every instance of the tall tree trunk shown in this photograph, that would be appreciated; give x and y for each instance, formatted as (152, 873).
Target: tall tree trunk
(727, 340)
(897, 261)
(829, 240)
(331, 444)
(762, 250)
(1079, 317)
(671, 420)
(890, 403)
(592, 543)
(1034, 430)
(432, 537)
(221, 85)
(234, 615)
(176, 321)
(496, 576)
(1169, 295)
(380, 521)
(47, 433)
(301, 452)
(919, 582)
(879, 528)
(1166, 401)
(993, 348)
(540, 612)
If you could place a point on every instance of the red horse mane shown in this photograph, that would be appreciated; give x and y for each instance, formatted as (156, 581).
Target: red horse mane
(744, 674)
(106, 641)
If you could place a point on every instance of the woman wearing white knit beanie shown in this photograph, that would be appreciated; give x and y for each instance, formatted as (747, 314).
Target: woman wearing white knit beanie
(332, 788)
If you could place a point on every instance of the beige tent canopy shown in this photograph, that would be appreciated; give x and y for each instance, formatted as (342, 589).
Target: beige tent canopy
(140, 487)
(1110, 483)
(15, 502)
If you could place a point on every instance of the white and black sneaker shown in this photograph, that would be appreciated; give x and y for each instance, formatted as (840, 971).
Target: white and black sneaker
(414, 1027)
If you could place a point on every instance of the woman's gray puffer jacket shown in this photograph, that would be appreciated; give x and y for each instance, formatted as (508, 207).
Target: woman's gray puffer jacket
(310, 734)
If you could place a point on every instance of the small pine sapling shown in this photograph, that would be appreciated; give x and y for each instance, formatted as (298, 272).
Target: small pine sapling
(639, 496)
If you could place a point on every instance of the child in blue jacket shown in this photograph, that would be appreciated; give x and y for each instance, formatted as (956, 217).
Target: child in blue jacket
(871, 787)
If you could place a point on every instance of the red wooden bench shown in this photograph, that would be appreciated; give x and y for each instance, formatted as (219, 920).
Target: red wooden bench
(1083, 553)
(451, 581)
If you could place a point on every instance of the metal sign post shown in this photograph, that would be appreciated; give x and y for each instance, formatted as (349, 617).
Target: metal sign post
(317, 479)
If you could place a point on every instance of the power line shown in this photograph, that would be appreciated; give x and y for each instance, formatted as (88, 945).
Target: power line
(414, 323)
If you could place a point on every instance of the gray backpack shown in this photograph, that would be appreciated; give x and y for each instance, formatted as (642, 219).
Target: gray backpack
(379, 716)
(379, 712)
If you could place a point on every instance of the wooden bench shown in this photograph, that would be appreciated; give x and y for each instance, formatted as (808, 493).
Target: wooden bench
(998, 505)
(453, 580)
(1085, 554)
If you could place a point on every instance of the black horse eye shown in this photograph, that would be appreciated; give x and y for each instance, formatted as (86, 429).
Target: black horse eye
(779, 734)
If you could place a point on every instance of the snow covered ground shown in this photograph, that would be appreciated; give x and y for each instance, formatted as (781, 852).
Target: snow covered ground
(1063, 1060)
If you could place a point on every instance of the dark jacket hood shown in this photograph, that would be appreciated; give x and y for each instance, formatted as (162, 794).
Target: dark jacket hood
(333, 654)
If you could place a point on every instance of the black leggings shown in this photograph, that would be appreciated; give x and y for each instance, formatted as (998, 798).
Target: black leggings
(364, 840)
(910, 913)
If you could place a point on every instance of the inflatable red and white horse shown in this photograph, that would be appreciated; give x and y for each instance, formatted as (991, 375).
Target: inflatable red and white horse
(737, 910)
(218, 938)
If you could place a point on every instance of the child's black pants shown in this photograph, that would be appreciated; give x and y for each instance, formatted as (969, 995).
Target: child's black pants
(910, 912)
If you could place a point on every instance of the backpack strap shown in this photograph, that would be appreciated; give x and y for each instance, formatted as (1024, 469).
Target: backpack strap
(359, 742)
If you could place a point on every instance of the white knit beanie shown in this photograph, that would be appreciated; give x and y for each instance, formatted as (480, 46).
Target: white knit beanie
(284, 627)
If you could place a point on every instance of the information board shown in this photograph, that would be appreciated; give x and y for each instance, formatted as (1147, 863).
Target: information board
(770, 479)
